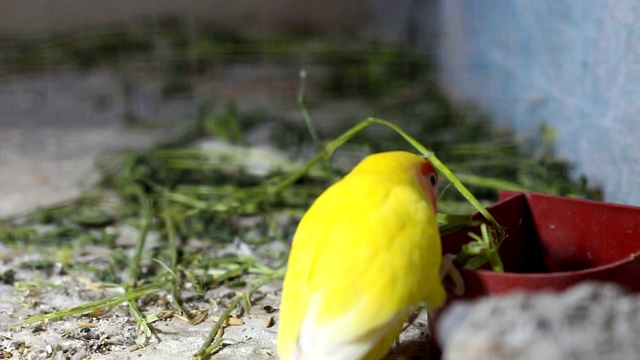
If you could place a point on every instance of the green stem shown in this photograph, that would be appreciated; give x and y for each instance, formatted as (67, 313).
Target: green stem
(98, 304)
(328, 151)
(142, 325)
(302, 100)
(134, 266)
(145, 214)
(173, 248)
(494, 260)
(208, 346)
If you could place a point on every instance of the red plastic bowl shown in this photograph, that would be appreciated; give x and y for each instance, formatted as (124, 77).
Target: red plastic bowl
(554, 242)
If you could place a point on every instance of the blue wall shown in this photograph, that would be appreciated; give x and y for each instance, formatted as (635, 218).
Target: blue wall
(572, 65)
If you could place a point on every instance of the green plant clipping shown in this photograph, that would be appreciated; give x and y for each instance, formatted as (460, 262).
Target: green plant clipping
(481, 249)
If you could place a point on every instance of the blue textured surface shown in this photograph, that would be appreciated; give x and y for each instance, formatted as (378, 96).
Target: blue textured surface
(572, 65)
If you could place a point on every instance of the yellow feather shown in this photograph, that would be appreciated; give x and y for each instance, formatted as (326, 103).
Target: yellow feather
(365, 253)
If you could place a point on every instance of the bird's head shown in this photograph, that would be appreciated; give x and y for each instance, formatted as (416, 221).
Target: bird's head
(403, 166)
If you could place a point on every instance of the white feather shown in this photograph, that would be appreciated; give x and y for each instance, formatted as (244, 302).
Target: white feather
(344, 339)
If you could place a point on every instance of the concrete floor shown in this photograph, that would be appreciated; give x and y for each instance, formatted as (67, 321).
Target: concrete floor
(52, 129)
(53, 126)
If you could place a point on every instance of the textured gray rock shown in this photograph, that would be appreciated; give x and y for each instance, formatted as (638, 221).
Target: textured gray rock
(589, 321)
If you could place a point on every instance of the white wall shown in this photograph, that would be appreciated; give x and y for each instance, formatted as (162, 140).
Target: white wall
(573, 65)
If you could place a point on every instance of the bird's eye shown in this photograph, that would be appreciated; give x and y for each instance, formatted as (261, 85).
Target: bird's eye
(433, 179)
(429, 173)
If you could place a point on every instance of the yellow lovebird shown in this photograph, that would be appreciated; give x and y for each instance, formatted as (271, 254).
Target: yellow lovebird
(365, 253)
